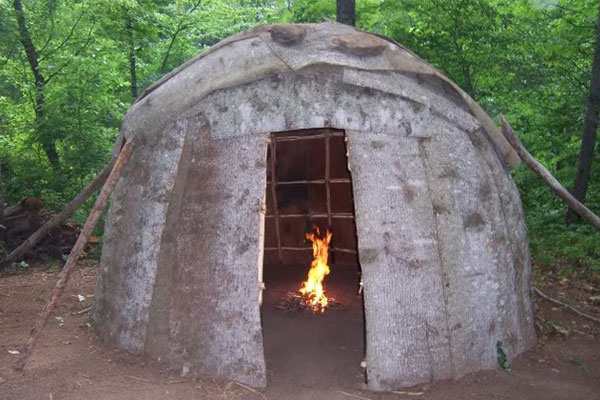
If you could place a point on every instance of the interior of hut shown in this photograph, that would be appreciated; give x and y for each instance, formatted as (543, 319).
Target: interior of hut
(309, 222)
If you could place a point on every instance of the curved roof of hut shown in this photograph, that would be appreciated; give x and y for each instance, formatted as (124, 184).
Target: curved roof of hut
(273, 49)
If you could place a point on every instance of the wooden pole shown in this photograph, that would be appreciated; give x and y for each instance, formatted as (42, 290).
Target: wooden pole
(313, 181)
(554, 184)
(311, 216)
(273, 146)
(328, 186)
(327, 179)
(91, 222)
(59, 218)
(292, 248)
(295, 138)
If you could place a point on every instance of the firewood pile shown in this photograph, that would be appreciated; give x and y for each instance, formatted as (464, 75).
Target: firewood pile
(23, 219)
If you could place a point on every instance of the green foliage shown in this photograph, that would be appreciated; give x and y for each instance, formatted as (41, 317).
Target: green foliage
(83, 49)
(502, 357)
(528, 59)
(311, 11)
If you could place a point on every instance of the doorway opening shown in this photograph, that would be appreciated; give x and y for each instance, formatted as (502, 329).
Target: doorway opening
(309, 187)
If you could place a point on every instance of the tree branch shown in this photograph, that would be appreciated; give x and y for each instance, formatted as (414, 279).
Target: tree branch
(180, 28)
(66, 40)
(568, 307)
(8, 57)
(50, 35)
(72, 57)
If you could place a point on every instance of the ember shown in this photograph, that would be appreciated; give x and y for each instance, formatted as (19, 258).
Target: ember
(293, 302)
(312, 288)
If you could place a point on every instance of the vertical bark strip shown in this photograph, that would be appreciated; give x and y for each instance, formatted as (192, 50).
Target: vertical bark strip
(346, 13)
(75, 253)
(588, 139)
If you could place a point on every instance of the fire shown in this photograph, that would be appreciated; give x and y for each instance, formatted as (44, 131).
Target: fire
(312, 288)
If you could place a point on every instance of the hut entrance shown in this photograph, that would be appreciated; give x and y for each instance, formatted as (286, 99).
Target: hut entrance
(308, 193)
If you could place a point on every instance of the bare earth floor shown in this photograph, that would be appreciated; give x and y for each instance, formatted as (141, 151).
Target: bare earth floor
(308, 356)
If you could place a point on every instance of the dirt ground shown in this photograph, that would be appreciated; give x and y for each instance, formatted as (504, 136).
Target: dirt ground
(308, 356)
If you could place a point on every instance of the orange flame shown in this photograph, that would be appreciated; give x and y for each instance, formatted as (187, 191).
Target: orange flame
(312, 288)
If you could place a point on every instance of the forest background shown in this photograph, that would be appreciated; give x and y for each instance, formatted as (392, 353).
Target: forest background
(70, 69)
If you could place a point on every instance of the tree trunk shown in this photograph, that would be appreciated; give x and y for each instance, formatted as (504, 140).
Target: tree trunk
(33, 60)
(132, 67)
(346, 13)
(3, 227)
(588, 139)
(469, 88)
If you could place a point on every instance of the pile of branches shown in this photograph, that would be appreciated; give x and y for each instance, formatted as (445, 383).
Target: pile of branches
(23, 219)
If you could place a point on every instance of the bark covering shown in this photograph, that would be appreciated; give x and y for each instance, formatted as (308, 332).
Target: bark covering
(441, 238)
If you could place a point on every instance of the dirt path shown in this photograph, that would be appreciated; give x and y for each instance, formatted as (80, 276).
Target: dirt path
(70, 363)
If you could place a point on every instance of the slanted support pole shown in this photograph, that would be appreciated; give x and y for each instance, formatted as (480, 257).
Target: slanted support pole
(546, 176)
(75, 253)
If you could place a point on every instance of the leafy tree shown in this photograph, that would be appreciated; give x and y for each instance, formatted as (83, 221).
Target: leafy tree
(588, 139)
(67, 79)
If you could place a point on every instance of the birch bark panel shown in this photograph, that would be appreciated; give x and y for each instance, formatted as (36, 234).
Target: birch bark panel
(405, 321)
(130, 254)
(475, 294)
(517, 271)
(214, 318)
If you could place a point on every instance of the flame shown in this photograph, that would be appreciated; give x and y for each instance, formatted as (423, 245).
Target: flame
(312, 288)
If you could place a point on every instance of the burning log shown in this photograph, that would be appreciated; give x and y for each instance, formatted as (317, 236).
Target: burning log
(294, 302)
(312, 288)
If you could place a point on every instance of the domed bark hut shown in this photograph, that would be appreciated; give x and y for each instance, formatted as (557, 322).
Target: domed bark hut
(441, 238)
